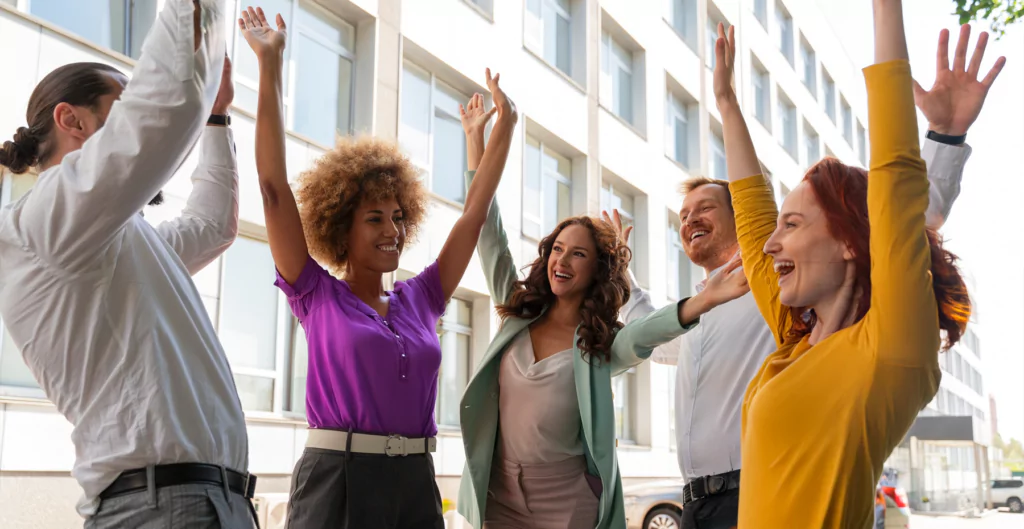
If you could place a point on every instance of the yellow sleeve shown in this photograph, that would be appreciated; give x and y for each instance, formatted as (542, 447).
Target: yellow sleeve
(903, 314)
(756, 216)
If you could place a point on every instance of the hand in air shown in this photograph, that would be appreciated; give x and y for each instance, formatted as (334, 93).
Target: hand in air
(474, 117)
(262, 38)
(728, 284)
(506, 108)
(616, 223)
(725, 59)
(955, 100)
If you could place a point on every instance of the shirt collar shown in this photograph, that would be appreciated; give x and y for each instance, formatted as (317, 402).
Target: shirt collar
(700, 286)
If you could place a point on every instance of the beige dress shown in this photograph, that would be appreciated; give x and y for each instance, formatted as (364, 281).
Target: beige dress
(538, 479)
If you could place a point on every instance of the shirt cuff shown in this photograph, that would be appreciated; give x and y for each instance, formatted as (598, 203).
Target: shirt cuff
(218, 147)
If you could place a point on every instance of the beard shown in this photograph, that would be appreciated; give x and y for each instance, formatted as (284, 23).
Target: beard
(709, 252)
(158, 199)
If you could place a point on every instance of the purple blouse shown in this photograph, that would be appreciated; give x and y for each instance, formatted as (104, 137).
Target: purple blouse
(377, 375)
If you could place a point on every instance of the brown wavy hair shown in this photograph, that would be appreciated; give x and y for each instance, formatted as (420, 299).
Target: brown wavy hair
(609, 291)
(357, 169)
(842, 193)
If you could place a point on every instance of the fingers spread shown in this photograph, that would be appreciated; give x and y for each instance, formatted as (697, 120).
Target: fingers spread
(994, 72)
(942, 55)
(979, 54)
(960, 58)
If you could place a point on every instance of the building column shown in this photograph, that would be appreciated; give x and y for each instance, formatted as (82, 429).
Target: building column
(592, 189)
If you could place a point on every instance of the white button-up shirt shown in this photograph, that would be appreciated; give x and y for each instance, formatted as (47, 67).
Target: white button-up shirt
(101, 303)
(718, 358)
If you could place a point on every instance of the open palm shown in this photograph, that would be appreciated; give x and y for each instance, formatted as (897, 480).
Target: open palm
(474, 117)
(262, 38)
(955, 100)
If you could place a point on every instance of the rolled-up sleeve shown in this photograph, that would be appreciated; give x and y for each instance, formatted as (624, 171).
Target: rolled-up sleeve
(78, 207)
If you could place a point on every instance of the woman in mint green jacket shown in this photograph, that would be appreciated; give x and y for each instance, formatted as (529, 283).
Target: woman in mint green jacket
(537, 418)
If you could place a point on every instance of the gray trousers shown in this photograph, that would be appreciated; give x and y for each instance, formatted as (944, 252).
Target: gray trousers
(190, 506)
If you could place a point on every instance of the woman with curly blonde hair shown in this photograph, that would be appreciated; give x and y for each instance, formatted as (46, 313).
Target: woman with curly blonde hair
(538, 417)
(373, 354)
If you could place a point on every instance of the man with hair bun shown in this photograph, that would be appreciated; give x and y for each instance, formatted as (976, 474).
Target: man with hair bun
(102, 305)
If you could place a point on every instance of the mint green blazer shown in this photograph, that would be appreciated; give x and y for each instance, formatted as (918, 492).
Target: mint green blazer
(633, 344)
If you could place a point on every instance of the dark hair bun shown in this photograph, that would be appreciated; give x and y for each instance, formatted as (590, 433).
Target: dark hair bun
(22, 153)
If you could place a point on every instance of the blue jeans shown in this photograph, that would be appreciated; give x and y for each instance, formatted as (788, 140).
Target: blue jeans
(198, 506)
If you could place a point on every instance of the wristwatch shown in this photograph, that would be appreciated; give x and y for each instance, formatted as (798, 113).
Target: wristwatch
(944, 138)
(219, 119)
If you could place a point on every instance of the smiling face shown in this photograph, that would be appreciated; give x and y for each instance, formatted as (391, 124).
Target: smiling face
(573, 262)
(377, 236)
(707, 226)
(810, 260)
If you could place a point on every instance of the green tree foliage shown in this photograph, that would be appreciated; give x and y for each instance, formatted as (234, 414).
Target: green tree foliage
(998, 13)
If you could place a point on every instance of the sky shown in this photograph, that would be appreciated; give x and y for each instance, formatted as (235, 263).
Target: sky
(986, 226)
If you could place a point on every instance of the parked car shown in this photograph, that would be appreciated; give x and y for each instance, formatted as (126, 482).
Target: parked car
(892, 511)
(654, 505)
(1008, 493)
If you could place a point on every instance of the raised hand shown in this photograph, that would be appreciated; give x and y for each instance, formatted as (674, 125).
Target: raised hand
(727, 285)
(474, 117)
(506, 108)
(955, 100)
(725, 59)
(263, 39)
(616, 225)
(226, 92)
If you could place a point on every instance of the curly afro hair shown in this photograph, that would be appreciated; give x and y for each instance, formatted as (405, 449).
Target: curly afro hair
(357, 169)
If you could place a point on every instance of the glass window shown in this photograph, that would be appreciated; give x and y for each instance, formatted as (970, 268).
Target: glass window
(617, 76)
(716, 158)
(862, 141)
(300, 368)
(548, 31)
(547, 189)
(13, 370)
(248, 321)
(101, 22)
(787, 126)
(712, 38)
(761, 12)
(784, 25)
(670, 372)
(613, 198)
(683, 16)
(680, 270)
(762, 95)
(624, 402)
(245, 68)
(812, 147)
(323, 90)
(810, 65)
(455, 332)
(677, 130)
(829, 95)
(847, 121)
(431, 131)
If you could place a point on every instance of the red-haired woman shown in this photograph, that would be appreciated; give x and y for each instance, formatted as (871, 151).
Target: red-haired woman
(857, 318)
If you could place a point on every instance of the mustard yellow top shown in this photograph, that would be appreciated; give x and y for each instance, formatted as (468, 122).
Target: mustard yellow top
(819, 422)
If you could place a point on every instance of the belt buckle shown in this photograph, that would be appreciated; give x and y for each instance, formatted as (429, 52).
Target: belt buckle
(245, 486)
(714, 484)
(400, 451)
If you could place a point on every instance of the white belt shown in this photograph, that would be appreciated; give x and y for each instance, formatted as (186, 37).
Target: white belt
(391, 445)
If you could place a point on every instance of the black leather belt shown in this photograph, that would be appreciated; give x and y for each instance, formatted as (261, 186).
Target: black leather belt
(703, 487)
(181, 474)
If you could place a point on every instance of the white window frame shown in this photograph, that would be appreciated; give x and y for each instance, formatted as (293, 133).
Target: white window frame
(711, 38)
(558, 178)
(788, 126)
(428, 166)
(760, 78)
(862, 140)
(628, 217)
(445, 326)
(687, 10)
(847, 115)
(761, 12)
(716, 149)
(809, 135)
(295, 27)
(676, 109)
(628, 434)
(809, 61)
(829, 93)
(784, 27)
(534, 38)
(672, 433)
(612, 66)
(676, 259)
